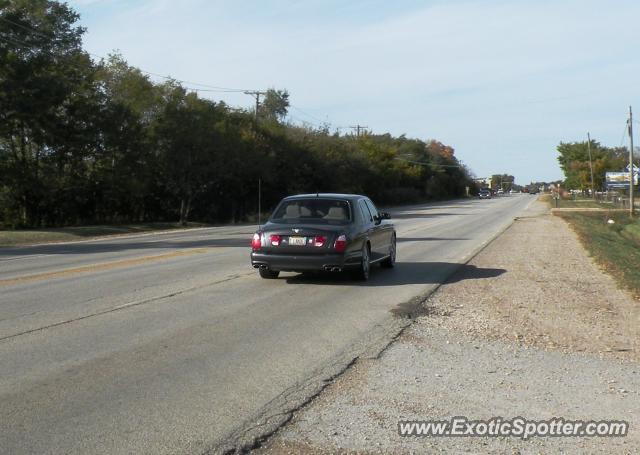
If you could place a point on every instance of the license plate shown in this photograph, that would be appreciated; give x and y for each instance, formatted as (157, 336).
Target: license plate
(297, 241)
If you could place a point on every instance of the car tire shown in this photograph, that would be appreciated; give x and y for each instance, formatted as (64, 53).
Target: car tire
(390, 262)
(268, 274)
(364, 270)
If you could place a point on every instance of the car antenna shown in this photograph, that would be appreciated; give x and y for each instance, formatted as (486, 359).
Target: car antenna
(259, 202)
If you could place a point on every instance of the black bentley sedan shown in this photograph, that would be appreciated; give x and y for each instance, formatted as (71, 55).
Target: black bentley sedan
(324, 232)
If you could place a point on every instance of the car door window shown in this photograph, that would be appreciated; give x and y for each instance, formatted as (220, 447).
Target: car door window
(372, 208)
(366, 214)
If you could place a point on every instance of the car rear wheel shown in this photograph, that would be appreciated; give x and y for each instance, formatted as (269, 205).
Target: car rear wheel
(365, 265)
(268, 274)
(391, 260)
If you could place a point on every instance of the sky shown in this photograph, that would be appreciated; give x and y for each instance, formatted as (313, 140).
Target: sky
(501, 81)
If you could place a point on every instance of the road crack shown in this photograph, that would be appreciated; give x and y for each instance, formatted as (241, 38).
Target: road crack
(124, 306)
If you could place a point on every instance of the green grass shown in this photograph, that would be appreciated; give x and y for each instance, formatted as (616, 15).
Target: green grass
(616, 247)
(34, 236)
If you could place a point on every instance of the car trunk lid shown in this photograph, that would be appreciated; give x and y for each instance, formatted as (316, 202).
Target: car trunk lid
(300, 239)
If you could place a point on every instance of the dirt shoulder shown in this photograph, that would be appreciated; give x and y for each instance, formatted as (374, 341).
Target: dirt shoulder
(552, 336)
(551, 296)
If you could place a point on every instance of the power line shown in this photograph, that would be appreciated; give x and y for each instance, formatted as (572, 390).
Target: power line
(24, 27)
(186, 84)
(181, 81)
(221, 90)
(304, 122)
(20, 43)
(307, 114)
(300, 119)
(209, 88)
(190, 85)
(423, 163)
(296, 119)
(37, 32)
(15, 42)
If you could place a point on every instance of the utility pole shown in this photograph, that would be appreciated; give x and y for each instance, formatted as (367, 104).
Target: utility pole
(358, 128)
(259, 202)
(256, 94)
(593, 194)
(631, 203)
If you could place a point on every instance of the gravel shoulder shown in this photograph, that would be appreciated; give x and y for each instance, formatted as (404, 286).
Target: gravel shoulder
(549, 336)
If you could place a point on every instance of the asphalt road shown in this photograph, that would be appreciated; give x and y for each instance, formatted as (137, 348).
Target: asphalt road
(171, 343)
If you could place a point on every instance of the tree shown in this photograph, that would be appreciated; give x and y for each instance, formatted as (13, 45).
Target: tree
(438, 148)
(84, 141)
(187, 139)
(502, 181)
(124, 167)
(275, 105)
(574, 162)
(46, 86)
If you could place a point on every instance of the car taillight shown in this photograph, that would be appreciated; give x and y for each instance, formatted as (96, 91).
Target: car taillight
(256, 242)
(275, 240)
(319, 240)
(341, 244)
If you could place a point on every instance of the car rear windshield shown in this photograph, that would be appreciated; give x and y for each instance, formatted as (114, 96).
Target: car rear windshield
(313, 210)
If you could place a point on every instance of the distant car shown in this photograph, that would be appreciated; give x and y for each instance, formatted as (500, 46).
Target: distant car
(324, 232)
(484, 194)
(500, 191)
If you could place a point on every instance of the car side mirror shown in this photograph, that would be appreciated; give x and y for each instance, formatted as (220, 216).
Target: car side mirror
(381, 216)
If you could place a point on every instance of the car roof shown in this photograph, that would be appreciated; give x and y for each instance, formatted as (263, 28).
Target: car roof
(350, 197)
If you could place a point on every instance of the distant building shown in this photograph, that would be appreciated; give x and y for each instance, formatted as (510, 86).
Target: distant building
(483, 182)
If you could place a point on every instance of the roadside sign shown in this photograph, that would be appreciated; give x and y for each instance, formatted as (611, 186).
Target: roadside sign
(621, 179)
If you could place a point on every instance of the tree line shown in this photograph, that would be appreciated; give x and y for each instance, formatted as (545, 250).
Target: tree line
(84, 141)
